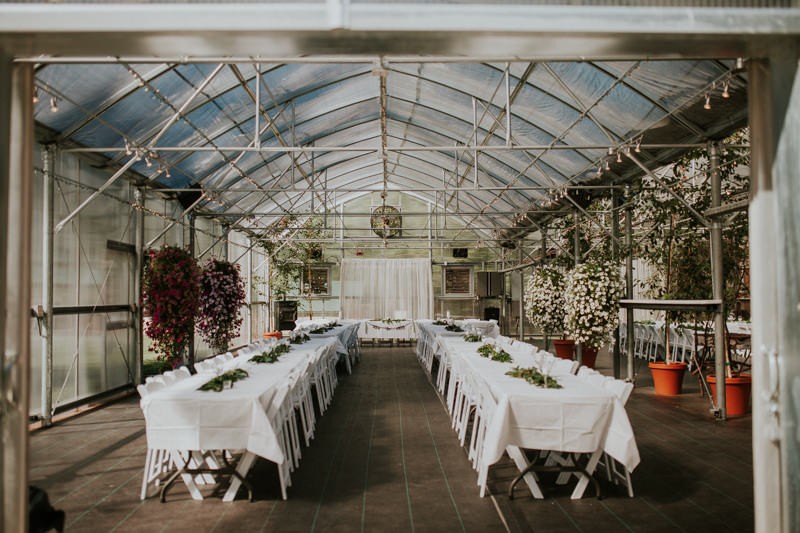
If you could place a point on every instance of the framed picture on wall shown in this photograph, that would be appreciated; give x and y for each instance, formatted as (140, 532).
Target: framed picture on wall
(320, 280)
(457, 281)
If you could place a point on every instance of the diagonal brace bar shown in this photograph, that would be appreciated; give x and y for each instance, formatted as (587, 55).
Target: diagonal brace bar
(703, 220)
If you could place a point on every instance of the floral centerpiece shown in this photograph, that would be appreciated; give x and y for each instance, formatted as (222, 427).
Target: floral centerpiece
(170, 296)
(222, 296)
(591, 297)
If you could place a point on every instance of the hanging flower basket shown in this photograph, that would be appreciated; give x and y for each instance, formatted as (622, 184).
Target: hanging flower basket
(591, 298)
(544, 299)
(170, 296)
(222, 297)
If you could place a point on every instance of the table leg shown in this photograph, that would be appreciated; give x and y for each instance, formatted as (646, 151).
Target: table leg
(586, 475)
(245, 463)
(518, 456)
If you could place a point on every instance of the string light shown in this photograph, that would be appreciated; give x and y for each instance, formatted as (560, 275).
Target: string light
(35, 95)
(53, 104)
(128, 150)
(707, 105)
(147, 161)
(167, 173)
(610, 150)
(638, 147)
(619, 157)
(607, 165)
(725, 93)
(138, 156)
(599, 170)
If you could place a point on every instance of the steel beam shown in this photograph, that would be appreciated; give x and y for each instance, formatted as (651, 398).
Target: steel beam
(16, 175)
(629, 316)
(763, 240)
(48, 186)
(718, 283)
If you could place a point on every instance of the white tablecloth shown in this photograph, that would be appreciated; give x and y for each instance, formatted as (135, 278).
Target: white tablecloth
(580, 417)
(377, 330)
(181, 417)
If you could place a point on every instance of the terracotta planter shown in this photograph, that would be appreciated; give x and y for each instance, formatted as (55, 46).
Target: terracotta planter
(276, 334)
(588, 355)
(668, 378)
(737, 393)
(565, 348)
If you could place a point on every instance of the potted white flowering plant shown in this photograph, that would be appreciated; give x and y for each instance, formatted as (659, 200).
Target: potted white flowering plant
(591, 298)
(544, 306)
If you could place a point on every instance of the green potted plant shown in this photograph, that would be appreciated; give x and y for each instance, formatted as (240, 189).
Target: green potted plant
(591, 300)
(544, 306)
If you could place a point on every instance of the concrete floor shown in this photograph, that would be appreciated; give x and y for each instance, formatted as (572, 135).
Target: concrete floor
(385, 459)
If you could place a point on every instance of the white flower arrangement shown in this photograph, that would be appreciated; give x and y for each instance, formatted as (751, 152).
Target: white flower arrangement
(544, 299)
(591, 298)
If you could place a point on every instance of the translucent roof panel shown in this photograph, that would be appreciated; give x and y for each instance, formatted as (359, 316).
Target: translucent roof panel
(380, 124)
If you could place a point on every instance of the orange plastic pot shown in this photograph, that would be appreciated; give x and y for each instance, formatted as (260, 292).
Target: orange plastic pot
(588, 355)
(276, 334)
(668, 378)
(565, 348)
(737, 393)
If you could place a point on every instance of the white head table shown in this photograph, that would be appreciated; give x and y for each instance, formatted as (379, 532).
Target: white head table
(581, 417)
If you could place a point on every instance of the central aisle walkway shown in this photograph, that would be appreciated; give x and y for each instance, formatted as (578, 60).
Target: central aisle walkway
(384, 459)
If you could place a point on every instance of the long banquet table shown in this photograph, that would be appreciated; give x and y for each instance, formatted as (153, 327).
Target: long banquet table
(582, 417)
(345, 332)
(181, 417)
(428, 332)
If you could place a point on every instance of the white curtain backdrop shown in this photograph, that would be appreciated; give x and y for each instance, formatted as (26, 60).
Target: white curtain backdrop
(386, 288)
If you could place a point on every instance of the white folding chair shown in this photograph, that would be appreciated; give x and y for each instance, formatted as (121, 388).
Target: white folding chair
(158, 462)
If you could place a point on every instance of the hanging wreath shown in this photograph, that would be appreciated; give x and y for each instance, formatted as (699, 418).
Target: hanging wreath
(386, 221)
(222, 297)
(171, 294)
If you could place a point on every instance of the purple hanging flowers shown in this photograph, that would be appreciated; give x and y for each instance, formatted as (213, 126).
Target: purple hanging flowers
(222, 296)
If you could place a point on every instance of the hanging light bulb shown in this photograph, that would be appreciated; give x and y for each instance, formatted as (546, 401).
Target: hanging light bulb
(599, 170)
(725, 93)
(638, 147)
(707, 105)
(619, 157)
(128, 150)
(607, 165)
(610, 150)
(53, 104)
(35, 95)
(138, 156)
(167, 173)
(739, 63)
(147, 161)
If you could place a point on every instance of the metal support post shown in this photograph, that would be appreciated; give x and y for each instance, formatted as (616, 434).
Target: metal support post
(629, 282)
(718, 281)
(48, 186)
(546, 339)
(138, 267)
(577, 250)
(616, 355)
(16, 88)
(764, 79)
(249, 330)
(192, 245)
(521, 295)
